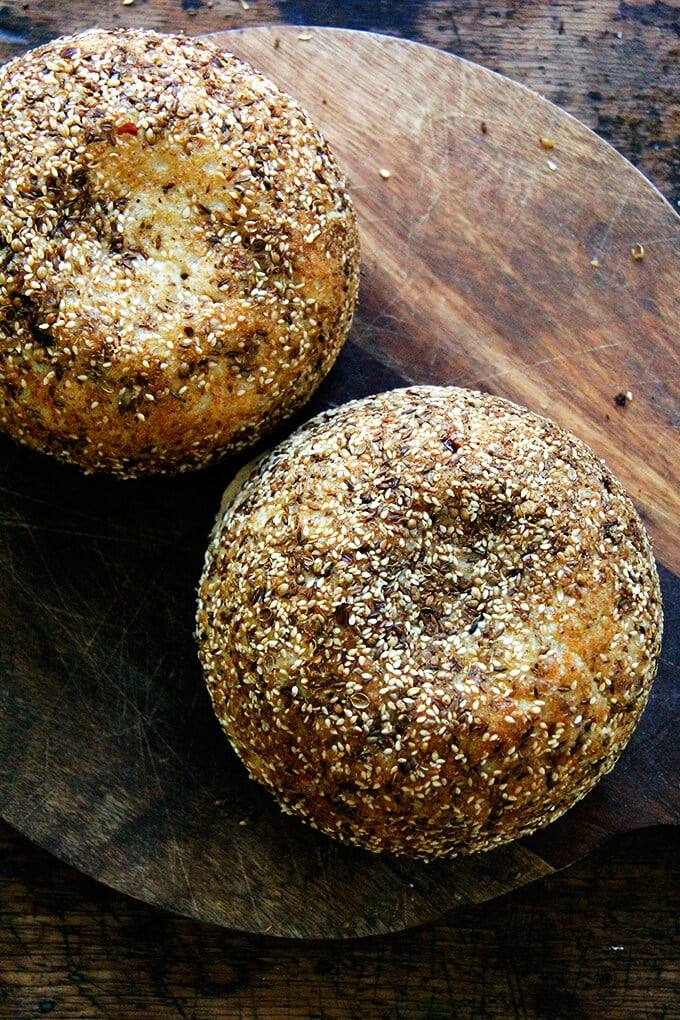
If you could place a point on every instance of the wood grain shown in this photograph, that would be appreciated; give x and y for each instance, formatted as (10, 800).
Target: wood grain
(613, 65)
(597, 942)
(110, 755)
(478, 250)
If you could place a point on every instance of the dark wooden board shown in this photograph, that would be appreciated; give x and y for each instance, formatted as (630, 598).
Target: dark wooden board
(478, 252)
(597, 941)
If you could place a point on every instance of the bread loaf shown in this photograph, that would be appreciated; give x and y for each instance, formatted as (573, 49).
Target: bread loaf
(178, 252)
(429, 621)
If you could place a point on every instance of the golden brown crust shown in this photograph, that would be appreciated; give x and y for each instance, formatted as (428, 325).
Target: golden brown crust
(429, 621)
(178, 252)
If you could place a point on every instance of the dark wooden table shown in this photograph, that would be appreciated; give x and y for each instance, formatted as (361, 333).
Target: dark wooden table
(600, 940)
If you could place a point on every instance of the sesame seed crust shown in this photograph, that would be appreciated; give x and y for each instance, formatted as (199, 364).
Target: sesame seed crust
(178, 252)
(429, 621)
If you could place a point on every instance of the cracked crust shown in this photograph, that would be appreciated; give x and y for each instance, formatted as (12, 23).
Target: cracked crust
(178, 252)
(429, 621)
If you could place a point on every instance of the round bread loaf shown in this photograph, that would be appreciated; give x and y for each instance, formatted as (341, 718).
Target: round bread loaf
(178, 252)
(429, 621)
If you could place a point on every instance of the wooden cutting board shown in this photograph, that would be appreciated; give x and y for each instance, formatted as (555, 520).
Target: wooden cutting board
(499, 241)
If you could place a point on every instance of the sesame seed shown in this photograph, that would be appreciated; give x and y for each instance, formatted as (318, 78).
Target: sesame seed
(393, 633)
(133, 123)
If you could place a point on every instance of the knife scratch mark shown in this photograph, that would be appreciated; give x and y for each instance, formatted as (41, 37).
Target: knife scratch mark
(293, 859)
(527, 366)
(462, 102)
(185, 873)
(669, 238)
(581, 353)
(246, 881)
(176, 858)
(601, 247)
(520, 206)
(42, 802)
(42, 528)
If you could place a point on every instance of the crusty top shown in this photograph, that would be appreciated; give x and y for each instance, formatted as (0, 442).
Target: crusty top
(429, 621)
(178, 253)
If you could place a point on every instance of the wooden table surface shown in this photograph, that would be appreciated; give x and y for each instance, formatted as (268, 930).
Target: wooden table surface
(600, 940)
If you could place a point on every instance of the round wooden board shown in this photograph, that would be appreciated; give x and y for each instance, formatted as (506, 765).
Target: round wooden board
(497, 238)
